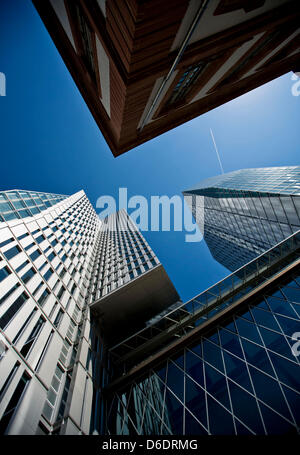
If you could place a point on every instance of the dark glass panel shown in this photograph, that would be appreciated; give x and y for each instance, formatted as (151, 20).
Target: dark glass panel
(175, 380)
(248, 330)
(231, 342)
(287, 372)
(245, 408)
(269, 391)
(292, 294)
(212, 354)
(293, 399)
(274, 423)
(195, 400)
(192, 426)
(257, 356)
(237, 370)
(289, 326)
(281, 307)
(221, 421)
(216, 385)
(194, 367)
(174, 413)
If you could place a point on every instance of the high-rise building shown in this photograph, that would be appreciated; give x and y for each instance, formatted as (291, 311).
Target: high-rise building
(95, 340)
(243, 213)
(226, 362)
(69, 284)
(145, 67)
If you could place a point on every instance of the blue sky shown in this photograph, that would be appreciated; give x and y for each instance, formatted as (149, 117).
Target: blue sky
(50, 142)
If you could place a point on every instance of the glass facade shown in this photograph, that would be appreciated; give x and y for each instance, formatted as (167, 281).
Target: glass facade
(221, 363)
(237, 376)
(243, 213)
(122, 255)
(21, 204)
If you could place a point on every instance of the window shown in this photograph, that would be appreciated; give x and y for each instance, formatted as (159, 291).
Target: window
(23, 236)
(85, 38)
(48, 274)
(2, 300)
(20, 331)
(13, 403)
(32, 337)
(12, 310)
(40, 238)
(52, 393)
(28, 275)
(61, 292)
(58, 318)
(35, 255)
(9, 378)
(6, 242)
(18, 269)
(51, 256)
(43, 297)
(4, 272)
(29, 246)
(9, 254)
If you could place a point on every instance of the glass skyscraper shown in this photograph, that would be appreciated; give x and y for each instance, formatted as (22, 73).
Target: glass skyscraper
(222, 363)
(95, 340)
(243, 213)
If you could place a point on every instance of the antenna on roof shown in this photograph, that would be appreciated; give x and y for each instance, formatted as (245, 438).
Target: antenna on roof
(216, 149)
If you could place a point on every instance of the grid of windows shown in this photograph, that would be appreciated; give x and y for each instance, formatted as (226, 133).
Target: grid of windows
(243, 213)
(241, 378)
(21, 204)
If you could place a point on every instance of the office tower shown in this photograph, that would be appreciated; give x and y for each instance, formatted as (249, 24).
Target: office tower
(243, 213)
(145, 67)
(65, 276)
(225, 362)
(88, 348)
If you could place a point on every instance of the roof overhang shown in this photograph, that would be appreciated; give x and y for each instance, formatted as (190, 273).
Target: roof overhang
(129, 307)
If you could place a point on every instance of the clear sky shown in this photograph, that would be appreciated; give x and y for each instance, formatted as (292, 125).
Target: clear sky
(50, 142)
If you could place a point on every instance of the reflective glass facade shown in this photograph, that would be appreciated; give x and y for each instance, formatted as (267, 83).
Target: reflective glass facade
(21, 204)
(238, 376)
(244, 213)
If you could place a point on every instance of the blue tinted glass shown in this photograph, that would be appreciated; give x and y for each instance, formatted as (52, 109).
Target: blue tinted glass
(195, 400)
(274, 423)
(247, 330)
(174, 413)
(245, 408)
(216, 385)
(237, 370)
(287, 372)
(220, 420)
(288, 325)
(212, 354)
(292, 293)
(265, 318)
(175, 380)
(10, 216)
(281, 307)
(276, 342)
(256, 355)
(231, 342)
(269, 391)
(293, 399)
(194, 367)
(192, 426)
